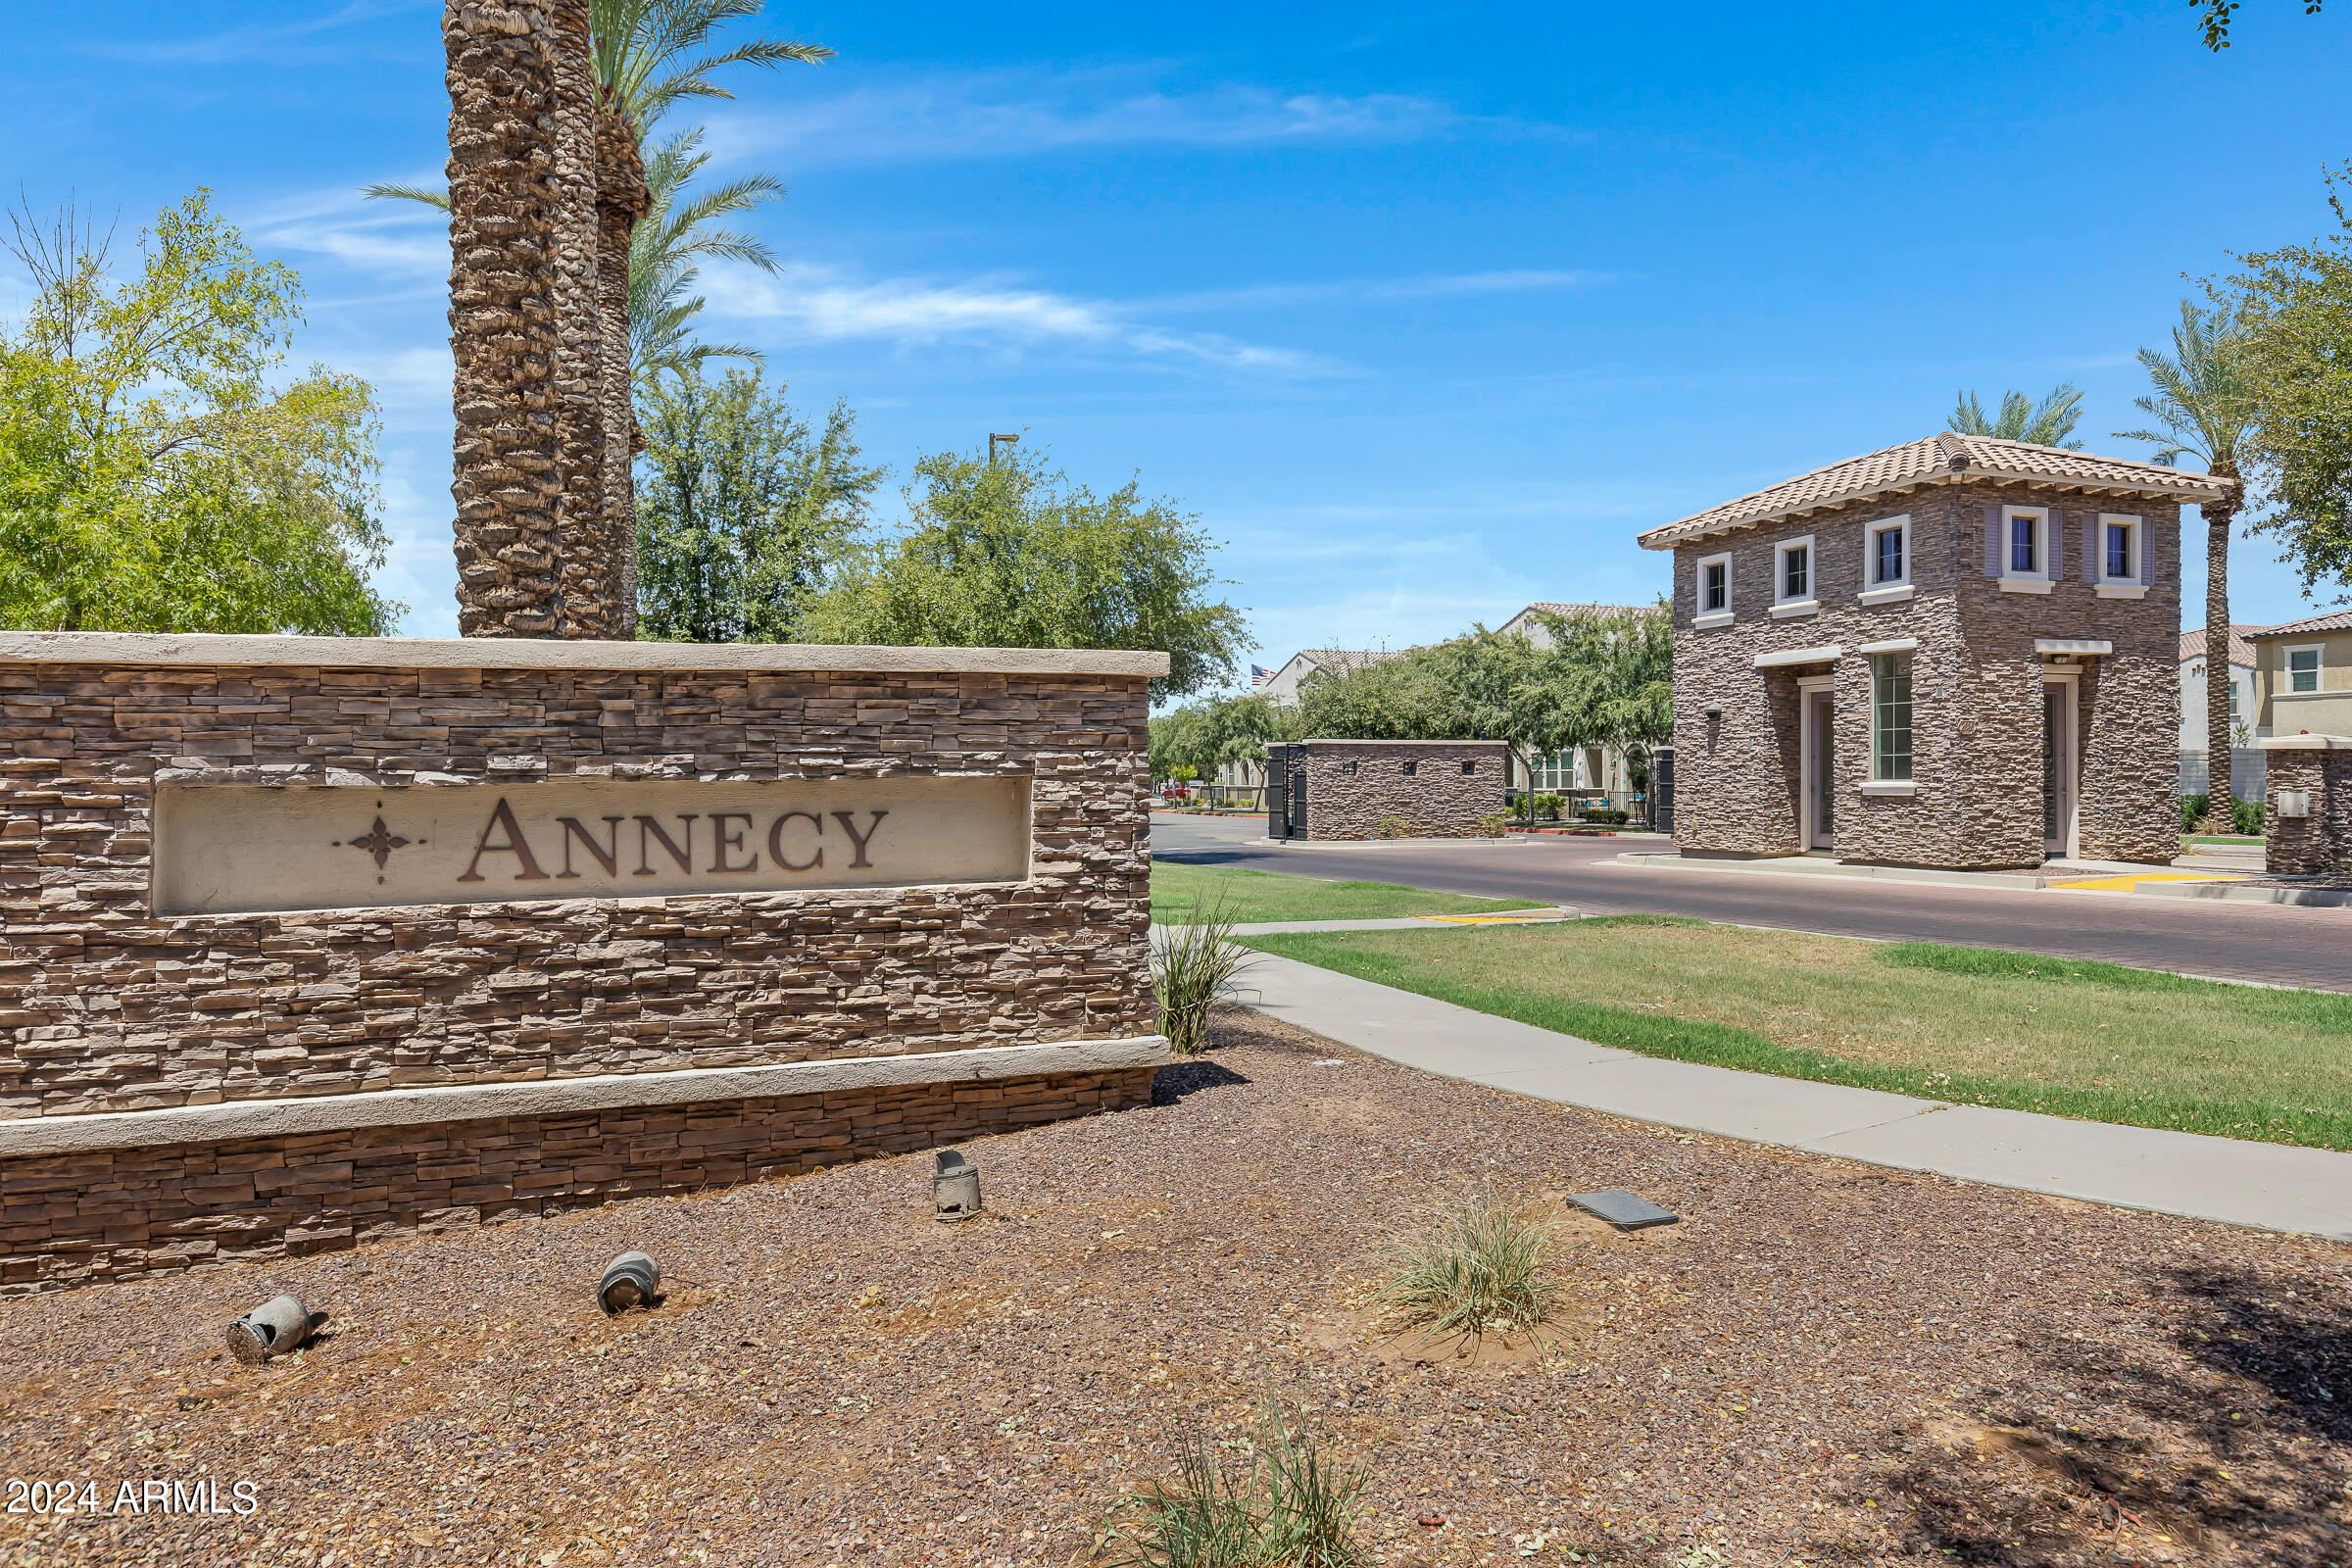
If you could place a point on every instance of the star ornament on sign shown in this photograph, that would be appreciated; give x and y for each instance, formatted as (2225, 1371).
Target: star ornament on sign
(379, 842)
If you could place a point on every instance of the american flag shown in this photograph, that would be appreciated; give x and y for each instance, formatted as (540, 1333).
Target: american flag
(1259, 674)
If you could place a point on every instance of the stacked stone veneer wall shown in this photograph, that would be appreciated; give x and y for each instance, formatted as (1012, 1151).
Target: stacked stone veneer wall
(1351, 786)
(1976, 691)
(80, 1218)
(2320, 844)
(107, 1009)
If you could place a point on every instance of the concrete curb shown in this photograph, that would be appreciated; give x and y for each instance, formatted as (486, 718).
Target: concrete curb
(35, 1136)
(1410, 922)
(2275, 1187)
(2240, 893)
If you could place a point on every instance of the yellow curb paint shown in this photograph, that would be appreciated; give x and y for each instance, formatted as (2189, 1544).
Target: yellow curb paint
(2124, 884)
(1489, 919)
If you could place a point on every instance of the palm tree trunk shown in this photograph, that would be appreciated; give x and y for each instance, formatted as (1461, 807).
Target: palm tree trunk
(2219, 517)
(581, 526)
(501, 318)
(622, 201)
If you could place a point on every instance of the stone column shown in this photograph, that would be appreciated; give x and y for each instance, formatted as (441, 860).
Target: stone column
(622, 202)
(502, 317)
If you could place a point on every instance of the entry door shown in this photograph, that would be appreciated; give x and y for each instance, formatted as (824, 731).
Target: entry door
(1821, 770)
(2057, 766)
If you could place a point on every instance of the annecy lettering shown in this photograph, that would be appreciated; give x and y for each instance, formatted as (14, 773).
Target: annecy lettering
(225, 848)
(728, 843)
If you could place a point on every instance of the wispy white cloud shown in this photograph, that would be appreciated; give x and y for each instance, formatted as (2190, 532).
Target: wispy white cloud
(998, 114)
(394, 240)
(825, 304)
(285, 42)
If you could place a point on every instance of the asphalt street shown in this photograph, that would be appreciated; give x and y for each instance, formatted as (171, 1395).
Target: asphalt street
(2277, 944)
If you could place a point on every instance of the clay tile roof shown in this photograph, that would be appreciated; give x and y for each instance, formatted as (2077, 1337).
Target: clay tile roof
(2241, 652)
(1943, 459)
(1550, 608)
(2334, 620)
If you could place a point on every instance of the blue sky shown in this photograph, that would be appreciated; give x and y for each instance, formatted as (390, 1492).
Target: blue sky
(1424, 313)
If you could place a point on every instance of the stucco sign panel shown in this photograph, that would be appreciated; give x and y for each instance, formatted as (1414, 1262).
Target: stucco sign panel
(233, 849)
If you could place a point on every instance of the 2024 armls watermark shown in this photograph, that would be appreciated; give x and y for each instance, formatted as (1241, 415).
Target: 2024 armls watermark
(203, 1497)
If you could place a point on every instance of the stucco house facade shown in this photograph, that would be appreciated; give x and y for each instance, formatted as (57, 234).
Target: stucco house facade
(2303, 676)
(1958, 652)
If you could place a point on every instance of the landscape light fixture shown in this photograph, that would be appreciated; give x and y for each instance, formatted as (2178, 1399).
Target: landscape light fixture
(954, 1186)
(992, 439)
(278, 1326)
(630, 1280)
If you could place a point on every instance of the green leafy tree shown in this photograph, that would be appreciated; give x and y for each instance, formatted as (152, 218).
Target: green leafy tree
(2047, 423)
(2214, 15)
(152, 476)
(1205, 737)
(1599, 677)
(1011, 555)
(742, 508)
(2294, 305)
(2201, 409)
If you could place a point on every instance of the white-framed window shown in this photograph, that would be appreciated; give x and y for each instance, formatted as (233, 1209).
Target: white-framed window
(2303, 668)
(1890, 715)
(1792, 572)
(1886, 560)
(1714, 590)
(2120, 539)
(2029, 549)
(2234, 696)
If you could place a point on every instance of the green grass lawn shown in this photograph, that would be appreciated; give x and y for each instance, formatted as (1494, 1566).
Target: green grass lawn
(1963, 1024)
(2220, 838)
(1247, 897)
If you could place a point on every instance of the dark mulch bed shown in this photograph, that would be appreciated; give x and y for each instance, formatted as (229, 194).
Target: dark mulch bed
(1826, 1363)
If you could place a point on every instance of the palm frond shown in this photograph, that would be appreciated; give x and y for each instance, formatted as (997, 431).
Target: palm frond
(2200, 402)
(438, 200)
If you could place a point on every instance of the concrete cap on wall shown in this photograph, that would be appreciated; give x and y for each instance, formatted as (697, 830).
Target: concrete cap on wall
(2305, 743)
(196, 648)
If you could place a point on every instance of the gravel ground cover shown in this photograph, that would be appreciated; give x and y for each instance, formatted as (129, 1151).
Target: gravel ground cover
(1825, 1363)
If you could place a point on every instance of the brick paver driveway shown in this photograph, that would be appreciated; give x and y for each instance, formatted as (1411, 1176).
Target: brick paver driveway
(2282, 946)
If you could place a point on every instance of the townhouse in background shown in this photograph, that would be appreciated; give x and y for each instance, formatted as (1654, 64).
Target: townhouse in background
(2303, 676)
(1958, 652)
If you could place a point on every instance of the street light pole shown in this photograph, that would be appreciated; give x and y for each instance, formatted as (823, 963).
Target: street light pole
(992, 439)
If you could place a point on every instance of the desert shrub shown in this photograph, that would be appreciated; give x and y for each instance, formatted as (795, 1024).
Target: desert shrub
(1548, 807)
(2192, 811)
(1608, 817)
(1476, 1264)
(1194, 967)
(1392, 826)
(1285, 1503)
(1493, 825)
(2247, 817)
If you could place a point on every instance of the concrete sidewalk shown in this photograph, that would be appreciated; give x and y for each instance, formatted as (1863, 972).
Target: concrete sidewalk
(2269, 1186)
(1408, 922)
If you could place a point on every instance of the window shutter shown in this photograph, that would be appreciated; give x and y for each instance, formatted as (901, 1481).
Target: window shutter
(2145, 536)
(2094, 548)
(1996, 542)
(2053, 533)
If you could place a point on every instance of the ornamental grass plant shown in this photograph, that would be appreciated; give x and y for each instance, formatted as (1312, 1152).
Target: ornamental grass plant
(1194, 966)
(1477, 1265)
(1275, 1500)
